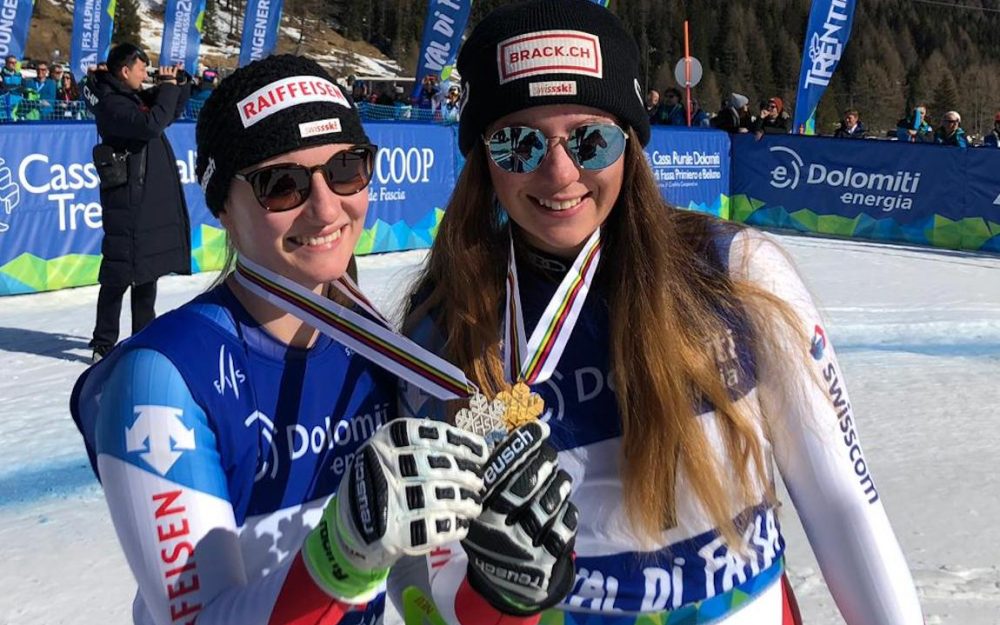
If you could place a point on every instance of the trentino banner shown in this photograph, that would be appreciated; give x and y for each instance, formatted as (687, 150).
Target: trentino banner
(826, 37)
(260, 29)
(443, 30)
(14, 21)
(93, 21)
(182, 26)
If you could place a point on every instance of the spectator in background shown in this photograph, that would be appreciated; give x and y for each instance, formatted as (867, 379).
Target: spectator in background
(359, 88)
(950, 132)
(773, 118)
(851, 126)
(699, 118)
(67, 102)
(735, 115)
(147, 232)
(41, 91)
(199, 94)
(450, 109)
(403, 107)
(671, 111)
(428, 92)
(914, 127)
(653, 105)
(10, 74)
(992, 138)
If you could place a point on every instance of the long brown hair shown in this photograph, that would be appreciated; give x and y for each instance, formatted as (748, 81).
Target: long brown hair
(668, 304)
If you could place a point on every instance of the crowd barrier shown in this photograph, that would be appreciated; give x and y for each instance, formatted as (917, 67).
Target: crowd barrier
(932, 195)
(50, 212)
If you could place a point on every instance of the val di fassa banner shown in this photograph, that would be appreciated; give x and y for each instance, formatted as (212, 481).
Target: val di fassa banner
(260, 29)
(883, 190)
(182, 26)
(826, 37)
(15, 17)
(50, 210)
(443, 28)
(93, 21)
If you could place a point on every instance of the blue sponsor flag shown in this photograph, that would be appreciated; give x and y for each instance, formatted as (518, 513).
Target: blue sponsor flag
(827, 35)
(182, 26)
(14, 27)
(443, 30)
(260, 29)
(93, 21)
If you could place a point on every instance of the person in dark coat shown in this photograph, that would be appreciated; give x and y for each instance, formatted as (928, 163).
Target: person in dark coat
(851, 127)
(147, 231)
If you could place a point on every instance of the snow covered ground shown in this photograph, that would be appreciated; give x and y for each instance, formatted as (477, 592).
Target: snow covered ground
(917, 332)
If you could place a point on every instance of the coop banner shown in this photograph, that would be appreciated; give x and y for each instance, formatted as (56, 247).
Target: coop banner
(182, 26)
(826, 37)
(50, 207)
(691, 167)
(443, 30)
(93, 21)
(260, 29)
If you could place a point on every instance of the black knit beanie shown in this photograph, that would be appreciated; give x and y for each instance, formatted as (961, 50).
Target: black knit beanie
(271, 106)
(549, 52)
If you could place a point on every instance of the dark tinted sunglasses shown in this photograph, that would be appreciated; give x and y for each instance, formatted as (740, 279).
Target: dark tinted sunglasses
(520, 149)
(286, 186)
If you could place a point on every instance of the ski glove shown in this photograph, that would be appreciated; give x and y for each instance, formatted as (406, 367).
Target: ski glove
(521, 547)
(413, 486)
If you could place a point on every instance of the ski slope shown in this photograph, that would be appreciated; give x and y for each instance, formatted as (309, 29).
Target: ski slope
(917, 333)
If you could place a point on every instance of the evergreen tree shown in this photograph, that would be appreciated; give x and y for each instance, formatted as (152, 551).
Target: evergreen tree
(128, 23)
(945, 95)
(210, 31)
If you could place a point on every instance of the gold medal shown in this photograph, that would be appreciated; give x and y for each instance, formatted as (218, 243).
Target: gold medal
(522, 406)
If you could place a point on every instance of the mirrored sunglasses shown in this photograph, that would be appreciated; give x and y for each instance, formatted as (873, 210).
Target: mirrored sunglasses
(286, 186)
(521, 149)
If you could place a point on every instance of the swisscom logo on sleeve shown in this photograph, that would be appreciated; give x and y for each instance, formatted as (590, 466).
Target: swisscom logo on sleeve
(285, 93)
(549, 52)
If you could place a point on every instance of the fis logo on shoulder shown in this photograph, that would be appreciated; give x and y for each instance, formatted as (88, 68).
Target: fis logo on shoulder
(10, 194)
(160, 435)
(818, 343)
(229, 376)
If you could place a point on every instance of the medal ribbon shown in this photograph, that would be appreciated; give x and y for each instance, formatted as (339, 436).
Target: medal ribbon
(534, 360)
(373, 338)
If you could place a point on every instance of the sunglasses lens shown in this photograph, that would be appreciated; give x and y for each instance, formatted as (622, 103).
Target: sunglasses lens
(350, 171)
(281, 188)
(596, 146)
(517, 149)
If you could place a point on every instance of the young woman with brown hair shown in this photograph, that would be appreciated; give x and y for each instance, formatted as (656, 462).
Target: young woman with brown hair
(679, 357)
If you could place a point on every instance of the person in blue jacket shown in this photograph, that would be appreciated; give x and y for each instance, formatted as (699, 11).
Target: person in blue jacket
(248, 461)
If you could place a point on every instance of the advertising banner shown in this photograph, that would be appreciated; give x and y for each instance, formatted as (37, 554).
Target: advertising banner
(93, 21)
(883, 190)
(260, 29)
(826, 37)
(443, 30)
(691, 167)
(50, 210)
(182, 26)
(14, 22)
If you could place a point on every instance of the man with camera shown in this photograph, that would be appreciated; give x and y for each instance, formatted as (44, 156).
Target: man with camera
(147, 232)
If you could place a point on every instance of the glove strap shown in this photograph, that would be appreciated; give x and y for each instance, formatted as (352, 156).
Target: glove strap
(330, 567)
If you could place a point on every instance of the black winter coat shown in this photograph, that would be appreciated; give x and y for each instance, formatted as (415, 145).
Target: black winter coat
(147, 231)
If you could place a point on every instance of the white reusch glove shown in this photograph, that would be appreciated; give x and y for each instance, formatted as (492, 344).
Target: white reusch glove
(521, 547)
(413, 486)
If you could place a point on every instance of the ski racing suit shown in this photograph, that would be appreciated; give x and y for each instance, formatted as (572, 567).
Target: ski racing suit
(218, 448)
(690, 576)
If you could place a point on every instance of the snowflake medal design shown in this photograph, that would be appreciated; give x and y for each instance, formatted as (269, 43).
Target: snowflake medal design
(522, 406)
(483, 417)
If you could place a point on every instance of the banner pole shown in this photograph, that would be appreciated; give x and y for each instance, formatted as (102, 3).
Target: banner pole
(687, 73)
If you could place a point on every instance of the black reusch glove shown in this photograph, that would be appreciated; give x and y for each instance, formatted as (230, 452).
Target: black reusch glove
(521, 547)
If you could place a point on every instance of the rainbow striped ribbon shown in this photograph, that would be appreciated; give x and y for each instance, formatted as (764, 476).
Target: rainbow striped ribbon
(373, 338)
(534, 360)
